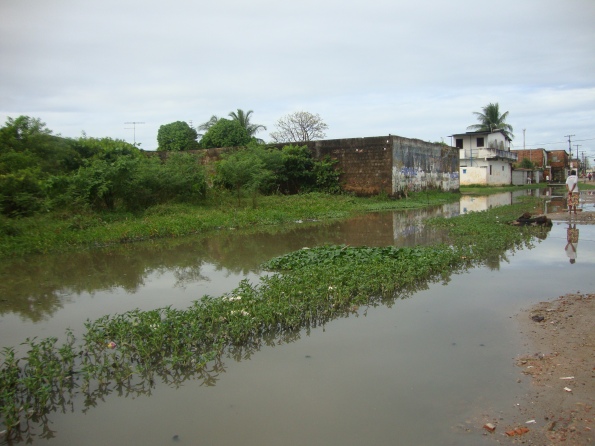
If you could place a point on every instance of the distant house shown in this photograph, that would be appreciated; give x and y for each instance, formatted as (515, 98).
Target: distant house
(559, 161)
(485, 158)
(541, 170)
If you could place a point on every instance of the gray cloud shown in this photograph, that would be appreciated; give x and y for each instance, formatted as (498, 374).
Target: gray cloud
(415, 69)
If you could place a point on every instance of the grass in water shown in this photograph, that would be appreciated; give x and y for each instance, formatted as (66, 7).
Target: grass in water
(129, 352)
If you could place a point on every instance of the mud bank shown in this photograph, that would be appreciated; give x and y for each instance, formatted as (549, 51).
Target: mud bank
(559, 360)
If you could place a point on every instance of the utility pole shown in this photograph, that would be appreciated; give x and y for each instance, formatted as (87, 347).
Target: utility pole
(569, 146)
(578, 164)
(524, 130)
(134, 123)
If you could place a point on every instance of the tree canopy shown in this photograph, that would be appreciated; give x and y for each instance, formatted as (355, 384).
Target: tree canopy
(244, 119)
(225, 133)
(490, 120)
(177, 136)
(299, 127)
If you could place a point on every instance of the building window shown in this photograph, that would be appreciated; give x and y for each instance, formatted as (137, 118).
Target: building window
(464, 171)
(479, 142)
(459, 143)
(490, 169)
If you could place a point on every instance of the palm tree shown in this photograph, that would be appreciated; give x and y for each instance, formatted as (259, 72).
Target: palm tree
(491, 120)
(244, 120)
(207, 125)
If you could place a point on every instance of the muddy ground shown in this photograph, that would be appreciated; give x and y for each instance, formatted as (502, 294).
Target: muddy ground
(559, 337)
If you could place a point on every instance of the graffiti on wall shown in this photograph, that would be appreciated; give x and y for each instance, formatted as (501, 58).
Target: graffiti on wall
(423, 166)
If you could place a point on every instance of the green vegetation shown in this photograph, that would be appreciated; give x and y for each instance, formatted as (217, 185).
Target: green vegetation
(490, 119)
(225, 133)
(58, 193)
(129, 352)
(177, 136)
(56, 231)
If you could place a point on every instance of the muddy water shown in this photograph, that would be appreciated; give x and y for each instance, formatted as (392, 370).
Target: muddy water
(420, 372)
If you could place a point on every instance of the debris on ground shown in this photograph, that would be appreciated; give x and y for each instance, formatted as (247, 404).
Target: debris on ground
(528, 219)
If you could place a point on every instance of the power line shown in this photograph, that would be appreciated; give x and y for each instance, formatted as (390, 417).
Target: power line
(539, 144)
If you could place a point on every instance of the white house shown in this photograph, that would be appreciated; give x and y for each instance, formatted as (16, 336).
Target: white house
(485, 158)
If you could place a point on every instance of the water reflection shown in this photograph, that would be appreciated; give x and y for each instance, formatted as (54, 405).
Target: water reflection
(181, 263)
(179, 271)
(80, 395)
(183, 267)
(571, 247)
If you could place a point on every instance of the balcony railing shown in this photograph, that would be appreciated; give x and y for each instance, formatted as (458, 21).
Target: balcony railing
(495, 153)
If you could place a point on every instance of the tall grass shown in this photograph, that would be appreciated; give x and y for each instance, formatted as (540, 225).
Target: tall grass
(54, 232)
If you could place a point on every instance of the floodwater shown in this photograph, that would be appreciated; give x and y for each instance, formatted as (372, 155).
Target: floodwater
(418, 372)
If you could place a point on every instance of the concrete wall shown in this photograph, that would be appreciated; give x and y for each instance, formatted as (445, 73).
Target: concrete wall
(473, 175)
(491, 173)
(419, 165)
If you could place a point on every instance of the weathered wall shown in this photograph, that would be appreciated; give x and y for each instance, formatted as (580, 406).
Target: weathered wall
(365, 163)
(496, 173)
(382, 164)
(391, 164)
(500, 174)
(473, 175)
(419, 165)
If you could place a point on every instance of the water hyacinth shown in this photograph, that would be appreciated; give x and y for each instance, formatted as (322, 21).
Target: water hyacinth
(304, 289)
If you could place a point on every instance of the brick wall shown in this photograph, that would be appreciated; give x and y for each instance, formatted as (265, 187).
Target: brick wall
(381, 164)
(537, 156)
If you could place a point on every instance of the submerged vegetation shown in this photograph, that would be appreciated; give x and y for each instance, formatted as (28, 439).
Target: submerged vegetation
(129, 352)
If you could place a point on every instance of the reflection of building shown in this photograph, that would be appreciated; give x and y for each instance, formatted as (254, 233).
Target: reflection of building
(485, 158)
(471, 203)
(409, 228)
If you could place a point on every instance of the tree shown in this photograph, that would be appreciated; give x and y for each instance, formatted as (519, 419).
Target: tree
(244, 119)
(225, 133)
(491, 120)
(177, 136)
(526, 164)
(207, 125)
(299, 127)
(243, 170)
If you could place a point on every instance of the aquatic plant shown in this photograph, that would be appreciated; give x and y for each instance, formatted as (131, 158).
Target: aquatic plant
(128, 352)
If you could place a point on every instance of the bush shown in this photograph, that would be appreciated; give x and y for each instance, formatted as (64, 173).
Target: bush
(225, 133)
(21, 193)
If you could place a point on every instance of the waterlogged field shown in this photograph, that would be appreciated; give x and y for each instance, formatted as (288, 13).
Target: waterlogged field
(137, 352)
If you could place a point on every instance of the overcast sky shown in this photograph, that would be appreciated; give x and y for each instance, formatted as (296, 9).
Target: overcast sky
(413, 68)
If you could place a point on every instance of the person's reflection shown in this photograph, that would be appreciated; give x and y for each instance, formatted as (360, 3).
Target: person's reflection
(571, 242)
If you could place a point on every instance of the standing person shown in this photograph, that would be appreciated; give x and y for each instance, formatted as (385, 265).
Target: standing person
(589, 176)
(572, 188)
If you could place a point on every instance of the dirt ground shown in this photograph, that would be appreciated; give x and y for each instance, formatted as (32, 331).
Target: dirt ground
(559, 335)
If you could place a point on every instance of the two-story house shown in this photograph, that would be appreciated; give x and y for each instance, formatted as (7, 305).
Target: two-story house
(560, 164)
(485, 158)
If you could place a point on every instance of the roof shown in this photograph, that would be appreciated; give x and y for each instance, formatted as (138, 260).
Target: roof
(483, 133)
